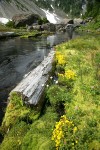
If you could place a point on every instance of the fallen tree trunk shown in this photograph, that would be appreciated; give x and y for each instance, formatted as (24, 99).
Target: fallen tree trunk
(32, 86)
(4, 35)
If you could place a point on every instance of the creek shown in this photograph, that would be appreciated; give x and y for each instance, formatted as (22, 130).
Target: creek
(19, 56)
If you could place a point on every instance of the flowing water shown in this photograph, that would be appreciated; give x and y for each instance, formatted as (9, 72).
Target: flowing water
(19, 56)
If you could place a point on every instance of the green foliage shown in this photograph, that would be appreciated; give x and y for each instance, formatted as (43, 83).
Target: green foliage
(97, 58)
(57, 94)
(29, 34)
(65, 133)
(10, 144)
(39, 135)
(17, 110)
(4, 28)
(42, 21)
(24, 135)
(91, 27)
(16, 99)
(84, 108)
(9, 1)
(45, 20)
(93, 9)
(10, 24)
(84, 44)
(14, 137)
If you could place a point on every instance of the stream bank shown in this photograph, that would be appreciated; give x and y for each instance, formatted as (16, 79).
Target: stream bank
(19, 56)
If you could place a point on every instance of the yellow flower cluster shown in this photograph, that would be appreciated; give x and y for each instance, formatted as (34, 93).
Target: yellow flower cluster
(60, 58)
(69, 74)
(58, 133)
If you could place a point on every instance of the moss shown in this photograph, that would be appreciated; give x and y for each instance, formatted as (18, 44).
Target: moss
(36, 141)
(39, 135)
(14, 137)
(17, 110)
(29, 34)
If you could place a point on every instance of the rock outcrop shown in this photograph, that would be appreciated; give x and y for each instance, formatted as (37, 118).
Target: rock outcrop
(49, 27)
(25, 19)
(9, 8)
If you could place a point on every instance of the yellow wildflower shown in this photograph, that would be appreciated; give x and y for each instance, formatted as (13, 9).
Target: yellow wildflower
(75, 129)
(76, 141)
(69, 74)
(60, 58)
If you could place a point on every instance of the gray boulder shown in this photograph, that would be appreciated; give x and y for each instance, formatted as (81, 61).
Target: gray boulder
(62, 29)
(22, 20)
(29, 28)
(78, 21)
(59, 26)
(49, 27)
(36, 27)
(69, 26)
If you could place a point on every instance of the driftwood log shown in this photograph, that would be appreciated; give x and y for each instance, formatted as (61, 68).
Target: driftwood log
(4, 35)
(33, 84)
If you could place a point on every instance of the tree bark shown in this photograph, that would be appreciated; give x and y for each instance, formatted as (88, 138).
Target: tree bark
(33, 84)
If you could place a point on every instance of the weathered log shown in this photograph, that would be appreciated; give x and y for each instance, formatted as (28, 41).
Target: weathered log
(33, 84)
(4, 35)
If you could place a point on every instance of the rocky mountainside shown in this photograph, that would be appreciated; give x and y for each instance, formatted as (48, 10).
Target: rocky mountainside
(71, 7)
(9, 8)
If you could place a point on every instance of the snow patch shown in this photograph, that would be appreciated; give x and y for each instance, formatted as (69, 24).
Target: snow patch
(52, 17)
(52, 7)
(4, 20)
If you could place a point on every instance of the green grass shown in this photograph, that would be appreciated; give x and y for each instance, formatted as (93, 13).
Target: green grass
(3, 28)
(93, 26)
(82, 55)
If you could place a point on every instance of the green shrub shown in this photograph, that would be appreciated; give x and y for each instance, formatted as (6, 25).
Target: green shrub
(45, 20)
(10, 24)
(57, 94)
(42, 21)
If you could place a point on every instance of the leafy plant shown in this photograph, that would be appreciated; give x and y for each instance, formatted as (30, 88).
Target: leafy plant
(10, 24)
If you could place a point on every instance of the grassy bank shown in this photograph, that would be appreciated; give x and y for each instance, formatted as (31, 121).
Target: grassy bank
(23, 33)
(70, 118)
(92, 26)
(3, 28)
(79, 76)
